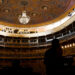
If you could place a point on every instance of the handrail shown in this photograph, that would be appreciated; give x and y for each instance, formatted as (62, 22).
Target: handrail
(37, 43)
(62, 38)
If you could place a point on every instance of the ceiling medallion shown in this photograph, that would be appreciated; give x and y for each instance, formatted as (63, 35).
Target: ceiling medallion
(24, 18)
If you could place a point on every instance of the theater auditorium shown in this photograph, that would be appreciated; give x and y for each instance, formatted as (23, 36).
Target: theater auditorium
(27, 28)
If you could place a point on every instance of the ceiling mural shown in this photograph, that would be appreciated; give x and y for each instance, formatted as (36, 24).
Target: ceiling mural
(37, 11)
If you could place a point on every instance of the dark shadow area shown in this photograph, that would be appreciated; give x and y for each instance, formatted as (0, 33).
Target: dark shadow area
(16, 68)
(55, 62)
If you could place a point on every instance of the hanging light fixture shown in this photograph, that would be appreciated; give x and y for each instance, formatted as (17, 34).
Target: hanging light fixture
(24, 19)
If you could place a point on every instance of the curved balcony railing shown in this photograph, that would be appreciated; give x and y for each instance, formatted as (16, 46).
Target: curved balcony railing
(67, 32)
(26, 55)
(38, 31)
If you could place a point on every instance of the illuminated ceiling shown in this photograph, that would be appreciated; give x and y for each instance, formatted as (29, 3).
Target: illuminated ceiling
(39, 10)
(42, 17)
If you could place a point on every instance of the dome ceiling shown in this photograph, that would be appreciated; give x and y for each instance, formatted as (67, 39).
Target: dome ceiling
(39, 11)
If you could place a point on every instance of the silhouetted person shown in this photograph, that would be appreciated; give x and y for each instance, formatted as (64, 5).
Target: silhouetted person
(53, 58)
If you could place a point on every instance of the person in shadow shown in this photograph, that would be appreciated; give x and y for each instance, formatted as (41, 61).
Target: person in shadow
(53, 59)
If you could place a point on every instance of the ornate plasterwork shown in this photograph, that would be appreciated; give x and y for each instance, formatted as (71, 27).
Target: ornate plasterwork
(38, 31)
(40, 11)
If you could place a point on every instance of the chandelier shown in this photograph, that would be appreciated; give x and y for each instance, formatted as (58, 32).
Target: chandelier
(24, 19)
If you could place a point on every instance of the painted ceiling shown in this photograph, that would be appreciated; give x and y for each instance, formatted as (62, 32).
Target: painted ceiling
(39, 11)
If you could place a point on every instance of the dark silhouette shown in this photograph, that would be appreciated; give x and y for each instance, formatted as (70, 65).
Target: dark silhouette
(53, 58)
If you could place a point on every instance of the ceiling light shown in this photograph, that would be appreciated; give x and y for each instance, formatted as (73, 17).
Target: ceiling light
(24, 19)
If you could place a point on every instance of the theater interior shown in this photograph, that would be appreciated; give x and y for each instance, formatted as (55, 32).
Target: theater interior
(27, 28)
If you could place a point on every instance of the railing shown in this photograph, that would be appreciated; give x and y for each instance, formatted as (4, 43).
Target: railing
(38, 41)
